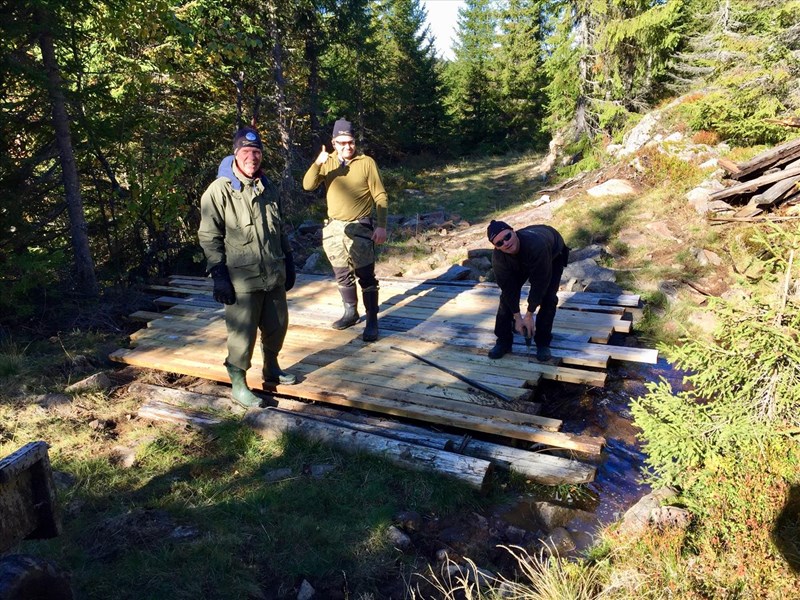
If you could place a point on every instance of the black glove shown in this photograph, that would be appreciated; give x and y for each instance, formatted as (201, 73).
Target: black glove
(223, 288)
(291, 275)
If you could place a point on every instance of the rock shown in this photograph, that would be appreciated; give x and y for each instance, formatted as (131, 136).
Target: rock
(585, 271)
(706, 257)
(552, 516)
(312, 263)
(98, 381)
(637, 518)
(698, 194)
(277, 475)
(670, 289)
(661, 229)
(633, 238)
(309, 228)
(449, 273)
(674, 137)
(720, 206)
(442, 555)
(480, 253)
(515, 535)
(700, 205)
(594, 251)
(53, 400)
(63, 481)
(603, 287)
(670, 516)
(410, 520)
(639, 135)
(483, 578)
(124, 456)
(711, 163)
(480, 522)
(306, 591)
(320, 471)
(612, 187)
(480, 263)
(184, 532)
(98, 424)
(398, 539)
(559, 542)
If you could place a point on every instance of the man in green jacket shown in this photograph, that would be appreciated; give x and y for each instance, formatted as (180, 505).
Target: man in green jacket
(249, 258)
(353, 187)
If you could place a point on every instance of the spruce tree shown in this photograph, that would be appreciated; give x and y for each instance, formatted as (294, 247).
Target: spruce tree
(520, 73)
(473, 97)
(415, 115)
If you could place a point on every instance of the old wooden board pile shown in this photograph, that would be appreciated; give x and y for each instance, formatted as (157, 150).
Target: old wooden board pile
(765, 182)
(450, 324)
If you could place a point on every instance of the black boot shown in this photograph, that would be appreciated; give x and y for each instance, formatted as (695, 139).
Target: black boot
(371, 305)
(274, 374)
(350, 301)
(241, 393)
(500, 350)
(543, 353)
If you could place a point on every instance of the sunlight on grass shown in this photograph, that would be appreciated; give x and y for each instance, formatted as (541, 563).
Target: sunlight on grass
(539, 578)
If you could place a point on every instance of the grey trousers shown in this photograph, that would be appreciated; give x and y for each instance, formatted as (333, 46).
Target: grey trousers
(262, 311)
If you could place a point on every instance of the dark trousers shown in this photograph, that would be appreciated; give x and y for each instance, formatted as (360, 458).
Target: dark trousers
(346, 277)
(266, 312)
(504, 321)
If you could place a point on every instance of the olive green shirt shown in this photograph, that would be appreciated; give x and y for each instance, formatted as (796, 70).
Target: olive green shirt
(351, 189)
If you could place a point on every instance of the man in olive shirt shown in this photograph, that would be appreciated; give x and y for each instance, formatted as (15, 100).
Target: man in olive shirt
(353, 187)
(538, 254)
(248, 254)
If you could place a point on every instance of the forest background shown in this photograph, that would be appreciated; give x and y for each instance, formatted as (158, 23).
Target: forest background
(124, 108)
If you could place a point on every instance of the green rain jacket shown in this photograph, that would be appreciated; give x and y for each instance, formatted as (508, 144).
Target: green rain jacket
(243, 229)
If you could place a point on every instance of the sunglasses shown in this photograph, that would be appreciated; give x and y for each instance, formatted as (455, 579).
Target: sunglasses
(504, 239)
(350, 143)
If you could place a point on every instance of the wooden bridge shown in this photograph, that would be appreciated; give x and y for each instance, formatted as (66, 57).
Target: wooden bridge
(449, 324)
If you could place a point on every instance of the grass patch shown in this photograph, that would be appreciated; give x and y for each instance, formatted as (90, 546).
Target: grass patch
(122, 527)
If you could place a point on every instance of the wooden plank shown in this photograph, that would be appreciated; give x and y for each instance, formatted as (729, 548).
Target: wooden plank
(358, 396)
(541, 468)
(772, 157)
(347, 357)
(154, 410)
(753, 185)
(455, 396)
(774, 193)
(271, 423)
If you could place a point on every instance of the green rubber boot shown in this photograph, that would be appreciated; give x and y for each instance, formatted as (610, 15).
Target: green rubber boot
(274, 374)
(241, 393)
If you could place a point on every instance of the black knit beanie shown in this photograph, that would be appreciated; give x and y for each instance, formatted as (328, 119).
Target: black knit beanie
(342, 127)
(246, 137)
(496, 227)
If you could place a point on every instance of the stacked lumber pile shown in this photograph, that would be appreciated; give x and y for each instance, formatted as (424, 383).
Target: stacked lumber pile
(764, 183)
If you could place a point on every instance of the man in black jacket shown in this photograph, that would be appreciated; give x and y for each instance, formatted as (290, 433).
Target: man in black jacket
(538, 254)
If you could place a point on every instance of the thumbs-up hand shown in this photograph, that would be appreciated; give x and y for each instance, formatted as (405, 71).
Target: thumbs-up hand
(323, 156)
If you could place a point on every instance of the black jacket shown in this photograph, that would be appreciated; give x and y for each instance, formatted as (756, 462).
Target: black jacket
(540, 246)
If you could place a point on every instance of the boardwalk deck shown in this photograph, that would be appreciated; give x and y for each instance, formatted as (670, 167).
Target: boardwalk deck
(448, 323)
